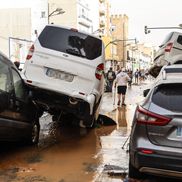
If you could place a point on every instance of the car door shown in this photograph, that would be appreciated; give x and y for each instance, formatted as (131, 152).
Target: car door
(10, 125)
(24, 106)
(24, 110)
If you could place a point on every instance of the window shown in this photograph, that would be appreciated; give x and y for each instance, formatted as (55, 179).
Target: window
(71, 42)
(179, 40)
(5, 82)
(168, 96)
(18, 85)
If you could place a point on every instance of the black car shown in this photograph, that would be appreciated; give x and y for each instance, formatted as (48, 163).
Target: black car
(19, 115)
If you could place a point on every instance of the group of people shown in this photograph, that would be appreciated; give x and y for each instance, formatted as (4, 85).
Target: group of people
(123, 78)
(119, 79)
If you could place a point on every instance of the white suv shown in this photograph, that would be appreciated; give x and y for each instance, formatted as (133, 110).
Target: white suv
(65, 70)
(169, 52)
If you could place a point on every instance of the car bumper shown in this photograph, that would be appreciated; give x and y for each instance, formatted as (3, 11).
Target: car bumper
(158, 164)
(49, 100)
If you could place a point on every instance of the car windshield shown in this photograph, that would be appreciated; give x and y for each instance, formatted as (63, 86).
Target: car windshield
(71, 42)
(168, 96)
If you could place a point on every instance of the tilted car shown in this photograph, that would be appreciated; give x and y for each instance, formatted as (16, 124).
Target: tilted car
(19, 116)
(169, 52)
(155, 145)
(64, 68)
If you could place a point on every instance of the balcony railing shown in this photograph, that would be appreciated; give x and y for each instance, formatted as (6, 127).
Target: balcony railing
(102, 12)
(82, 19)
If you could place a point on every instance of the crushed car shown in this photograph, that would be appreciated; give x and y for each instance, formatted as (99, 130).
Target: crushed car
(64, 69)
(169, 52)
(19, 115)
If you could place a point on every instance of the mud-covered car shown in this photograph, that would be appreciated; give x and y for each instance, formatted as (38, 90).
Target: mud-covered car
(19, 115)
(64, 68)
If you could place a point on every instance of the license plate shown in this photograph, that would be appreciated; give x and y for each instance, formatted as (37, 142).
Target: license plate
(179, 132)
(59, 75)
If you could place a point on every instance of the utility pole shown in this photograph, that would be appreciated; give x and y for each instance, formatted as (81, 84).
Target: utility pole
(147, 29)
(123, 44)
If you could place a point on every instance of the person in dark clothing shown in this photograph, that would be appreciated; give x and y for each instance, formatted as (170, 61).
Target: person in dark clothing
(110, 76)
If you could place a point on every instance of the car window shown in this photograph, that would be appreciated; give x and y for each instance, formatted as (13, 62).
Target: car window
(5, 81)
(18, 85)
(179, 40)
(71, 42)
(168, 37)
(168, 96)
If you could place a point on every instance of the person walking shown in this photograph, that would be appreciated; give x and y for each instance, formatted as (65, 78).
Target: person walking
(121, 81)
(136, 76)
(130, 74)
(110, 76)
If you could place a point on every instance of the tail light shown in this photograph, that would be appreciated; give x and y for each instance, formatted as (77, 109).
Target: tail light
(168, 47)
(146, 151)
(99, 71)
(30, 52)
(144, 116)
(74, 29)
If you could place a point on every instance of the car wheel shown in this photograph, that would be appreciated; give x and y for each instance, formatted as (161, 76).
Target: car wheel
(35, 134)
(134, 172)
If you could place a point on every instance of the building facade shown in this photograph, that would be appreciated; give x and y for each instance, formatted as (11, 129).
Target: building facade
(77, 14)
(120, 36)
(140, 56)
(20, 23)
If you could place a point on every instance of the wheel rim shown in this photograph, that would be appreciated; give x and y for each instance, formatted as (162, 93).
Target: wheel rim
(34, 133)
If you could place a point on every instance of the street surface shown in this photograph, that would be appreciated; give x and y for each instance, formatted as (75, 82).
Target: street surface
(69, 154)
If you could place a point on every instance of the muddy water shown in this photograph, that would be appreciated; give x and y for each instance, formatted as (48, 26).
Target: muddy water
(70, 154)
(63, 155)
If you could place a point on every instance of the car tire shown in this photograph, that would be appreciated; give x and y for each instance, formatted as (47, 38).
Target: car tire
(134, 172)
(34, 138)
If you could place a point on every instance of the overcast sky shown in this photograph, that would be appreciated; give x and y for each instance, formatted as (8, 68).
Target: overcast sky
(153, 13)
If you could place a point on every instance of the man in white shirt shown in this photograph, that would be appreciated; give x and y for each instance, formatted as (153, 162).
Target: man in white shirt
(122, 80)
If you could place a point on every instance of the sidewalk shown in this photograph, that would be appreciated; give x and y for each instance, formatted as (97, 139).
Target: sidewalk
(114, 146)
(134, 95)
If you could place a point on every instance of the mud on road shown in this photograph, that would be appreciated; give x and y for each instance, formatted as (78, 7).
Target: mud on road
(67, 153)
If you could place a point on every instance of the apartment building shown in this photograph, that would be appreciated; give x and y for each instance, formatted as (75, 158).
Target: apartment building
(140, 56)
(20, 23)
(77, 14)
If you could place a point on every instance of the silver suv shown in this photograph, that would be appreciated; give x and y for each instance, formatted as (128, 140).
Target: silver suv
(169, 52)
(156, 138)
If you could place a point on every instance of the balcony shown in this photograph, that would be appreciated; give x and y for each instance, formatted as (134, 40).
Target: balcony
(101, 12)
(85, 21)
(101, 1)
(102, 24)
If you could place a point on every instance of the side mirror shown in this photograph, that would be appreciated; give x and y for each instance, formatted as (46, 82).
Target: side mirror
(145, 92)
